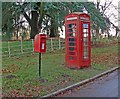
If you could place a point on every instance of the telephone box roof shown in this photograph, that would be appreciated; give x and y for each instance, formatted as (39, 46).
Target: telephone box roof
(77, 13)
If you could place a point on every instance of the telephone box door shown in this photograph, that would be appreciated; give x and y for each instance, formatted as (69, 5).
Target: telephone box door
(85, 44)
(71, 45)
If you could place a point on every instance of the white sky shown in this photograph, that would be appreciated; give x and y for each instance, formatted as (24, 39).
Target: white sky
(112, 11)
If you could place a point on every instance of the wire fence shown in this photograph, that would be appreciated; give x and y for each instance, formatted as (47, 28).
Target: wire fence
(14, 48)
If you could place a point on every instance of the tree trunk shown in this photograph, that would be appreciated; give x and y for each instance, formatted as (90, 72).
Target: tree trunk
(52, 32)
(34, 24)
(52, 29)
(56, 31)
(96, 36)
(97, 32)
(117, 30)
(41, 16)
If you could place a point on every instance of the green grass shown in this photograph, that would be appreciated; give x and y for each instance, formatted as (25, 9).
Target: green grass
(54, 72)
(104, 49)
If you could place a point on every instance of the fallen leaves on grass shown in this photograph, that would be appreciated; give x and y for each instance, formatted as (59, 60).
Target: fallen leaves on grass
(27, 90)
(10, 76)
(105, 58)
(10, 69)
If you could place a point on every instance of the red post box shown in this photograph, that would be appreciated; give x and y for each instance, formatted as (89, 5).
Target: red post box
(78, 45)
(40, 43)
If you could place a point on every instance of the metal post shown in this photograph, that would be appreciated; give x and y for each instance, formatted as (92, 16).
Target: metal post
(39, 66)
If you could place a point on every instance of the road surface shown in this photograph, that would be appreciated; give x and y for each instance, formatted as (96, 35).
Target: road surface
(105, 87)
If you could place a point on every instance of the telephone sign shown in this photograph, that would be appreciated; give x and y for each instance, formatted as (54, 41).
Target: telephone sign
(85, 25)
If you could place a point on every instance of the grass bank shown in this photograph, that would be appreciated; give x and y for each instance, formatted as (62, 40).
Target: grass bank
(20, 74)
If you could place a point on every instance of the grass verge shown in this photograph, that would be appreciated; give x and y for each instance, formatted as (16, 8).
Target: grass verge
(20, 74)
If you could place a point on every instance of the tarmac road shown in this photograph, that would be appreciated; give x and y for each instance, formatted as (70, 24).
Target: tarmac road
(105, 87)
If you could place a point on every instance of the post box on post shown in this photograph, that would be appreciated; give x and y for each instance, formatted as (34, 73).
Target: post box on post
(40, 47)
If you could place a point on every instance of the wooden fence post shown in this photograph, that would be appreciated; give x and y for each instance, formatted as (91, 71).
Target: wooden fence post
(9, 48)
(21, 47)
(59, 43)
(33, 45)
(51, 44)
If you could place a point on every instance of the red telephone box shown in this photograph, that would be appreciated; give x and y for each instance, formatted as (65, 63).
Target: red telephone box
(40, 43)
(78, 45)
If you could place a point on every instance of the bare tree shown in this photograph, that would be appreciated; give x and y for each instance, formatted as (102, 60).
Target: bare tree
(105, 11)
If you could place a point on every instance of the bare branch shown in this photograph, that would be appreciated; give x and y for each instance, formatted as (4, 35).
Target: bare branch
(112, 14)
(19, 23)
(27, 18)
(106, 6)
